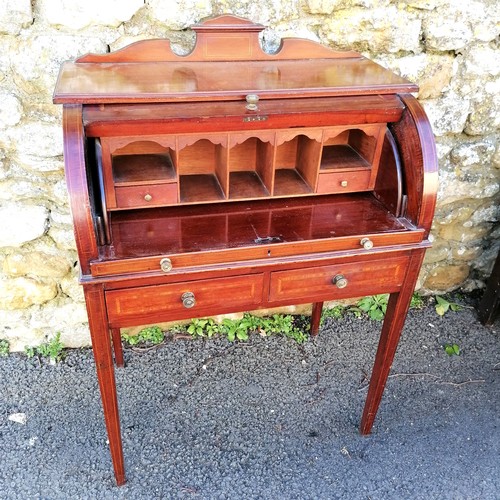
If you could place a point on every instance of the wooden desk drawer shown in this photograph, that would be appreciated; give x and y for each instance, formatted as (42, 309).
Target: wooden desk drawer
(340, 182)
(142, 305)
(317, 283)
(146, 195)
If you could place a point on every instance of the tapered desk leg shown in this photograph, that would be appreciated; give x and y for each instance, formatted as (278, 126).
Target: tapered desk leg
(317, 308)
(117, 347)
(395, 316)
(101, 345)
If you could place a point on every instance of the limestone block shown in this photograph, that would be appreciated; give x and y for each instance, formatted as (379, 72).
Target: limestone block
(39, 139)
(78, 15)
(460, 211)
(323, 6)
(34, 60)
(384, 29)
(76, 337)
(61, 215)
(422, 4)
(36, 264)
(483, 16)
(39, 165)
(480, 61)
(464, 253)
(452, 189)
(20, 293)
(21, 223)
(450, 32)
(487, 212)
(33, 326)
(485, 110)
(473, 154)
(439, 251)
(179, 15)
(15, 189)
(14, 16)
(70, 287)
(448, 114)
(63, 237)
(64, 317)
(464, 234)
(432, 72)
(445, 278)
(11, 110)
(59, 193)
(14, 326)
(58, 315)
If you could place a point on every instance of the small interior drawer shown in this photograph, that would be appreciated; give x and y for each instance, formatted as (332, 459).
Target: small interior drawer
(173, 301)
(340, 182)
(325, 282)
(146, 195)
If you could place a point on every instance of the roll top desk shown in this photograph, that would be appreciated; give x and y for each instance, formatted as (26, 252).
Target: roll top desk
(230, 180)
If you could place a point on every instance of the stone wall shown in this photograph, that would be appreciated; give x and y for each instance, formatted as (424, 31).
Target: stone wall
(449, 47)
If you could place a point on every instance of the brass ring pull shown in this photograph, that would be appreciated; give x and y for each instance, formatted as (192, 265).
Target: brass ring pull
(166, 265)
(340, 281)
(366, 243)
(188, 300)
(252, 100)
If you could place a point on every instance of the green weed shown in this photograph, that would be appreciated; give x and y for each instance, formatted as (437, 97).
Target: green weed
(443, 305)
(52, 349)
(4, 347)
(417, 301)
(240, 329)
(452, 349)
(374, 306)
(336, 312)
(148, 335)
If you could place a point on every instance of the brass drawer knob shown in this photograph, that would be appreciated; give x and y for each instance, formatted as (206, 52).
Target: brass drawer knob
(343, 184)
(188, 300)
(340, 281)
(148, 197)
(366, 243)
(252, 100)
(166, 265)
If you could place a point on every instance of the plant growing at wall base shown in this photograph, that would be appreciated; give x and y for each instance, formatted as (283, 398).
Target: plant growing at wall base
(149, 335)
(443, 305)
(240, 329)
(51, 349)
(4, 347)
(375, 306)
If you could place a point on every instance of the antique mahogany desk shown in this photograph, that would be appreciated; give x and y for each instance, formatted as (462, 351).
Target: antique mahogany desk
(230, 179)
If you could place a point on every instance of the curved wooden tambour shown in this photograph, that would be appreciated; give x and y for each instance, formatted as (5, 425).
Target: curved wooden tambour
(413, 134)
(76, 180)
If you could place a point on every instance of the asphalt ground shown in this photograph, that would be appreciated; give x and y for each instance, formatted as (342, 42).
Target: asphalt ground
(264, 419)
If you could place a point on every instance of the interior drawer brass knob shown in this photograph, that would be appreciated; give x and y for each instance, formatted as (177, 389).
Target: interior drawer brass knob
(148, 197)
(340, 281)
(366, 243)
(166, 265)
(343, 183)
(188, 300)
